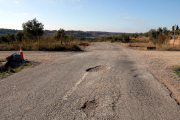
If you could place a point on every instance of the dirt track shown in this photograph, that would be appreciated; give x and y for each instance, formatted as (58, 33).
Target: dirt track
(37, 56)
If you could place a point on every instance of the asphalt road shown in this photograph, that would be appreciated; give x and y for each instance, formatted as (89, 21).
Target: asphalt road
(64, 90)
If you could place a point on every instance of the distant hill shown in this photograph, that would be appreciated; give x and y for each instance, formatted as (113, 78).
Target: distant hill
(5, 31)
(87, 34)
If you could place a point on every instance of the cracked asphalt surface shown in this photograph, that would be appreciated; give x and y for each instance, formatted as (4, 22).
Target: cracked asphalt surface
(58, 90)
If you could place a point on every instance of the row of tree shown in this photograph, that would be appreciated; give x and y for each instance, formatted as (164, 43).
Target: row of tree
(157, 36)
(33, 31)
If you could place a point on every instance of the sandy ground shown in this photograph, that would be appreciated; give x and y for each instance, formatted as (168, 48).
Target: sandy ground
(160, 64)
(37, 57)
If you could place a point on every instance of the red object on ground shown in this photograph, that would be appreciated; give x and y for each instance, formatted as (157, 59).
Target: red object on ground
(21, 52)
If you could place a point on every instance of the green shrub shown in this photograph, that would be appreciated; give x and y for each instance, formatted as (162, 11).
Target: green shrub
(177, 70)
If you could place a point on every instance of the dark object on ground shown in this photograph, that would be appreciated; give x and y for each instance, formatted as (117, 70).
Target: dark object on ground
(1, 65)
(98, 68)
(13, 62)
(151, 48)
(9, 58)
(83, 44)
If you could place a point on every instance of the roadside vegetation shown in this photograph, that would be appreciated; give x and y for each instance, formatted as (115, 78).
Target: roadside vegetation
(177, 70)
(2, 60)
(32, 38)
(159, 38)
(4, 72)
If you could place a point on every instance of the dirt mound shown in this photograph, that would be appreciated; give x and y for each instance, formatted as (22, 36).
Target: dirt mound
(176, 41)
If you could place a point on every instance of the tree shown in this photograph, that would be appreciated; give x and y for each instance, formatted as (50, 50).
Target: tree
(153, 34)
(172, 28)
(10, 37)
(1, 38)
(177, 31)
(160, 30)
(177, 28)
(146, 34)
(165, 30)
(140, 34)
(81, 38)
(19, 36)
(125, 38)
(135, 35)
(33, 29)
(161, 39)
(60, 35)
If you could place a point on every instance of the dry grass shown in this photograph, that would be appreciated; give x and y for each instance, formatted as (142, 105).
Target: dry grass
(42, 44)
(137, 44)
(4, 72)
(168, 47)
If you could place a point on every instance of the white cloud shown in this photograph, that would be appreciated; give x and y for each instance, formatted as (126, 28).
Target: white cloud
(16, 1)
(118, 14)
(9, 12)
(126, 13)
(25, 14)
(137, 19)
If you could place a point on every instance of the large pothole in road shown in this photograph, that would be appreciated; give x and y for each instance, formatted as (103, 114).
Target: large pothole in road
(90, 106)
(98, 68)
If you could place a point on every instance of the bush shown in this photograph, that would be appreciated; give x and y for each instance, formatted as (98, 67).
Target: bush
(161, 39)
(177, 70)
(139, 41)
(19, 36)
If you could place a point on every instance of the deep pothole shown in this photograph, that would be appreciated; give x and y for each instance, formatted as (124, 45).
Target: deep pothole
(90, 106)
(98, 68)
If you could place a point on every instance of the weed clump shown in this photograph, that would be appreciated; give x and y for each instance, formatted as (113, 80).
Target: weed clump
(177, 70)
(4, 72)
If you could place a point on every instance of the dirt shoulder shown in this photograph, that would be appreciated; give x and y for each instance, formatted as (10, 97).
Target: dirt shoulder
(160, 64)
(37, 57)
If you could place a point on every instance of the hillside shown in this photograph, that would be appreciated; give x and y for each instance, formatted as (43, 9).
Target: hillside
(87, 34)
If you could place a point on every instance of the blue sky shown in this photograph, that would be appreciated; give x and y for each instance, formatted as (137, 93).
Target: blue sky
(92, 15)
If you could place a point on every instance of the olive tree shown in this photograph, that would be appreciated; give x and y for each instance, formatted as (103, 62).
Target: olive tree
(19, 36)
(33, 29)
(60, 35)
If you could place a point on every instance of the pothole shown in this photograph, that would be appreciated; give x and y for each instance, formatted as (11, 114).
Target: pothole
(98, 68)
(90, 106)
